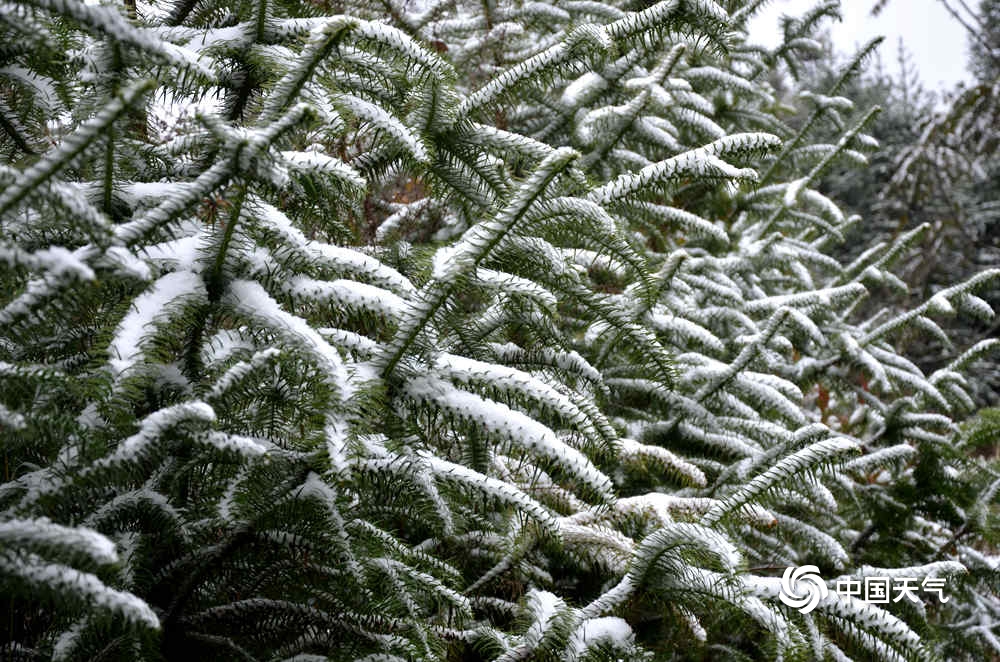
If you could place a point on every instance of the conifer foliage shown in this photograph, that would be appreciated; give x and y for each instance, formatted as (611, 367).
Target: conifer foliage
(469, 331)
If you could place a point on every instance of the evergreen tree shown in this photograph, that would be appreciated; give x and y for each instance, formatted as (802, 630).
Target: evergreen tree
(984, 42)
(476, 331)
(936, 166)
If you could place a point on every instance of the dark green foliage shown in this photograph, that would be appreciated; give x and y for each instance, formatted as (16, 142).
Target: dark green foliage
(484, 332)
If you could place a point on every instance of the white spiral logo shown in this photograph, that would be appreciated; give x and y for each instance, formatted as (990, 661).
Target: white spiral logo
(802, 588)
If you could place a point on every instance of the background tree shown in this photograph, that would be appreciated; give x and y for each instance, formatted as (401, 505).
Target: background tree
(942, 171)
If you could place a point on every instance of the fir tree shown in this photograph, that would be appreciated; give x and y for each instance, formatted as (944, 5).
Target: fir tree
(481, 331)
(936, 166)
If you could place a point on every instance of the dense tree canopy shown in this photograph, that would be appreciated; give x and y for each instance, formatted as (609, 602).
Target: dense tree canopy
(469, 331)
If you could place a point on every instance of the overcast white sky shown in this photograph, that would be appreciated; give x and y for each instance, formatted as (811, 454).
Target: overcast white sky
(934, 38)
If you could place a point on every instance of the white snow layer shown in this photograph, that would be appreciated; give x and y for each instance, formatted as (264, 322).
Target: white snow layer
(126, 347)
